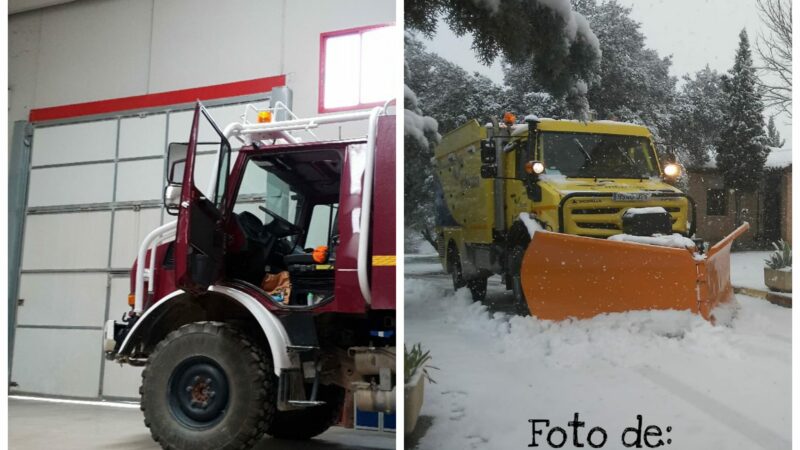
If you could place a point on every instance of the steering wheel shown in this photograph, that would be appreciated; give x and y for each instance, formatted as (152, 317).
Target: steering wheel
(279, 226)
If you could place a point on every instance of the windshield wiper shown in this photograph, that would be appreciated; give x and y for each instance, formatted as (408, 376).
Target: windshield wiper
(627, 156)
(583, 150)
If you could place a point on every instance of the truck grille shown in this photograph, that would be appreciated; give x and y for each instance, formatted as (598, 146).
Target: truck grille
(602, 221)
(598, 226)
(596, 211)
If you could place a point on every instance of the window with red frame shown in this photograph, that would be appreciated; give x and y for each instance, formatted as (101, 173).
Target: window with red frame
(357, 68)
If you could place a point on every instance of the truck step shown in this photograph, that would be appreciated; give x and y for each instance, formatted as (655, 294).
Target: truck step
(301, 348)
(305, 403)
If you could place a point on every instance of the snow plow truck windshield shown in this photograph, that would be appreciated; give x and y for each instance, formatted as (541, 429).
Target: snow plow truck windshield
(584, 155)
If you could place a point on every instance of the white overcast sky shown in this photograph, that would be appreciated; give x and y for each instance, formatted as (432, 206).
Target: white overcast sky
(694, 32)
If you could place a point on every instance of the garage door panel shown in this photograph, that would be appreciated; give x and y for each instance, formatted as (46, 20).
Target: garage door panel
(66, 361)
(121, 381)
(142, 136)
(118, 300)
(224, 115)
(90, 141)
(140, 180)
(180, 123)
(66, 241)
(62, 299)
(130, 228)
(71, 185)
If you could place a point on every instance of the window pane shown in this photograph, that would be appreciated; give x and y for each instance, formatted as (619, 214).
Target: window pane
(254, 181)
(378, 65)
(222, 173)
(342, 55)
(318, 229)
(716, 202)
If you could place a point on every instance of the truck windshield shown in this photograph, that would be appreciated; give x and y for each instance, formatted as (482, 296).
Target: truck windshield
(584, 155)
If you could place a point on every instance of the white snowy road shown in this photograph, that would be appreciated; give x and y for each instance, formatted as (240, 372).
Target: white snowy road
(705, 386)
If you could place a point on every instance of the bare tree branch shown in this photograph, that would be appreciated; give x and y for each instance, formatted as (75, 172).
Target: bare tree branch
(775, 51)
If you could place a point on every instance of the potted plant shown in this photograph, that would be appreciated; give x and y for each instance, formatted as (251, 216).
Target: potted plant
(778, 271)
(416, 372)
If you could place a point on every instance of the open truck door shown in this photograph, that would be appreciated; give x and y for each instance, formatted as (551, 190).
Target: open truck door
(200, 241)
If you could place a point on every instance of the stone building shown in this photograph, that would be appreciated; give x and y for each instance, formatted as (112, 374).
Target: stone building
(768, 209)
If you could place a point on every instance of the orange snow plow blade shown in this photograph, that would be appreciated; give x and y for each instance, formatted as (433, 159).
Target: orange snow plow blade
(565, 276)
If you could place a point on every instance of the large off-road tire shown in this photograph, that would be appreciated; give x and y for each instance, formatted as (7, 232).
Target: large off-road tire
(515, 255)
(477, 287)
(454, 261)
(208, 386)
(309, 422)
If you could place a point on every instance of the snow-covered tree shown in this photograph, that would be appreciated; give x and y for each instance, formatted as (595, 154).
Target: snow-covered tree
(557, 39)
(775, 50)
(742, 150)
(524, 95)
(421, 135)
(697, 118)
(773, 136)
(450, 94)
(633, 82)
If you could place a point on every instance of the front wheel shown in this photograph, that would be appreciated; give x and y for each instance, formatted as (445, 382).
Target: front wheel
(455, 269)
(477, 287)
(515, 280)
(208, 386)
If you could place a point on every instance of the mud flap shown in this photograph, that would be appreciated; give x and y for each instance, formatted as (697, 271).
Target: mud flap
(566, 276)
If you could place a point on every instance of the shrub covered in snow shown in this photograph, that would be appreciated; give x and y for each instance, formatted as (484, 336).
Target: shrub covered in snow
(782, 257)
(416, 363)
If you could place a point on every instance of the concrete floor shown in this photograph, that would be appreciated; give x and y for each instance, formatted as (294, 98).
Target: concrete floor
(34, 424)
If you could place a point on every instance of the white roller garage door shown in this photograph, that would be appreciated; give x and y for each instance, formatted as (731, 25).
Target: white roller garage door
(94, 192)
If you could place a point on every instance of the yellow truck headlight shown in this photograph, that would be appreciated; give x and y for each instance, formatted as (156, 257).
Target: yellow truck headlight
(534, 167)
(672, 170)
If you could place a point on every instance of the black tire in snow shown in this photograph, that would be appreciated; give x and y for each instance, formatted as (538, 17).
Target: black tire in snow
(208, 386)
(477, 287)
(515, 256)
(455, 269)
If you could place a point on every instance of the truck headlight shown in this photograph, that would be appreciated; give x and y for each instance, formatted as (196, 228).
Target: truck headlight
(534, 167)
(672, 170)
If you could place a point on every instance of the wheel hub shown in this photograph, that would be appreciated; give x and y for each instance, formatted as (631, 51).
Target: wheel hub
(201, 391)
(198, 392)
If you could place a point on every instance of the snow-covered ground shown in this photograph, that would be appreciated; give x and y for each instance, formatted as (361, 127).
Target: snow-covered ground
(747, 269)
(713, 386)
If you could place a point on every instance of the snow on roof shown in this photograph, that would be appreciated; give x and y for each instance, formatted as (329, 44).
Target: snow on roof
(779, 158)
(523, 127)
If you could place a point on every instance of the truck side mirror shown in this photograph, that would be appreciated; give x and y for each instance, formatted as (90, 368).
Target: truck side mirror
(488, 171)
(176, 162)
(172, 198)
(488, 153)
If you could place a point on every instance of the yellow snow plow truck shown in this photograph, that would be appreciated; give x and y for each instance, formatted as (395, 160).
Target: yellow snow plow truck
(579, 218)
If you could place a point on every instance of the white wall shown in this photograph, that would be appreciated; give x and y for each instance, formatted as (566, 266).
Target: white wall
(98, 49)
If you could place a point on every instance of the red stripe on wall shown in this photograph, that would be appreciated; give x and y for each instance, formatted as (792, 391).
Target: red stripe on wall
(235, 89)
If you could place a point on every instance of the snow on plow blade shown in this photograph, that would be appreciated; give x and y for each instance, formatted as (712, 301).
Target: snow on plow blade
(567, 276)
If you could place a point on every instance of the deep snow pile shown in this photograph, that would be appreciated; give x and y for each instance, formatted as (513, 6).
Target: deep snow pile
(715, 386)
